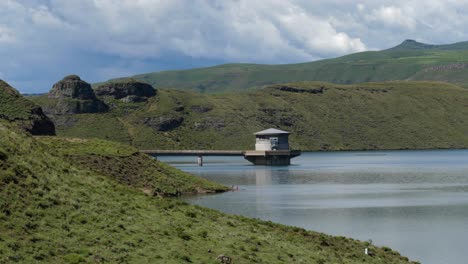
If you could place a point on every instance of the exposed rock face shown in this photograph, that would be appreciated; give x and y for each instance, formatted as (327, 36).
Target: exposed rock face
(447, 67)
(72, 106)
(127, 91)
(39, 123)
(210, 122)
(133, 99)
(279, 117)
(74, 96)
(17, 109)
(164, 123)
(201, 108)
(72, 86)
(300, 90)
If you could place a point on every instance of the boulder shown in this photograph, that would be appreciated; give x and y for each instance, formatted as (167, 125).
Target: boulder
(224, 259)
(127, 90)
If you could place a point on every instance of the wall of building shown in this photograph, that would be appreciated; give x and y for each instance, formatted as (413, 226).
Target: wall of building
(264, 143)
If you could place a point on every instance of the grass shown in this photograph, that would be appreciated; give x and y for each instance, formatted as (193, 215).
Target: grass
(407, 61)
(387, 115)
(12, 105)
(23, 113)
(56, 209)
(126, 165)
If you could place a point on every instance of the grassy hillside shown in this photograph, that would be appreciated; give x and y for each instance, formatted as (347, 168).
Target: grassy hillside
(408, 61)
(54, 209)
(12, 105)
(22, 112)
(126, 165)
(321, 116)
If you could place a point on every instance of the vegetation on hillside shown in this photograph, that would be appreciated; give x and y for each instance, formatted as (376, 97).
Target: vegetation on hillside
(12, 104)
(126, 165)
(22, 112)
(321, 116)
(55, 210)
(408, 61)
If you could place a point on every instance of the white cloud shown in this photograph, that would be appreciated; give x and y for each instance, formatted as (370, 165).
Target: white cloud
(104, 38)
(393, 16)
(261, 30)
(6, 35)
(41, 16)
(361, 7)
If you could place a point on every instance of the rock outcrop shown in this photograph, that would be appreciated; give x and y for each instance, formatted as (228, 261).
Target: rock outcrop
(22, 112)
(210, 122)
(163, 123)
(74, 96)
(129, 91)
(291, 89)
(201, 108)
(72, 86)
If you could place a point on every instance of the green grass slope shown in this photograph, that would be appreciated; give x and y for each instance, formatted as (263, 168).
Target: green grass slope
(53, 210)
(408, 61)
(12, 105)
(321, 116)
(22, 112)
(126, 165)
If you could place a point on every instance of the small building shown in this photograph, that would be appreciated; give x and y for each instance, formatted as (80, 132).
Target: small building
(271, 148)
(271, 139)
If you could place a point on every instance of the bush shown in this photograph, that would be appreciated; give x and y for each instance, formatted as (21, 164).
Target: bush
(204, 234)
(3, 155)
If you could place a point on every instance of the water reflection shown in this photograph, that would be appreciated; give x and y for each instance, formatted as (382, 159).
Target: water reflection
(413, 201)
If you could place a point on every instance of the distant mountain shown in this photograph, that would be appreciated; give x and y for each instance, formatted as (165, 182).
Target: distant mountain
(410, 60)
(410, 44)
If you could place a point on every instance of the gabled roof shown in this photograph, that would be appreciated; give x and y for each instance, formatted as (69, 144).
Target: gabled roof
(271, 131)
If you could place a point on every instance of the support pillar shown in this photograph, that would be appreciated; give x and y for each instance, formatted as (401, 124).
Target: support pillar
(200, 160)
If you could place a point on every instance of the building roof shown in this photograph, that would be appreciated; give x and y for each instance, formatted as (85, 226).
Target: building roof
(271, 131)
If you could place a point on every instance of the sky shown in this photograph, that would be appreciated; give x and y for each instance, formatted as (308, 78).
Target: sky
(43, 40)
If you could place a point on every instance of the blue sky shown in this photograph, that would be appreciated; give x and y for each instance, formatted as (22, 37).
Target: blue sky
(43, 40)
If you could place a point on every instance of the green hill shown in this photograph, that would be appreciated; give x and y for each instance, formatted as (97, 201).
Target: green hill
(22, 112)
(408, 61)
(62, 201)
(321, 116)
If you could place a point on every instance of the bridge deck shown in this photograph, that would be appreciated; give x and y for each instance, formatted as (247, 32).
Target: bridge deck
(194, 152)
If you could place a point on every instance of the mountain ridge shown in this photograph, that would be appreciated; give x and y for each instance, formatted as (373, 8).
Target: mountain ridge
(411, 44)
(410, 60)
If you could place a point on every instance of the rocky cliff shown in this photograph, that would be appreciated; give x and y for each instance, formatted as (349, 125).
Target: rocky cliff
(129, 91)
(24, 113)
(72, 86)
(74, 96)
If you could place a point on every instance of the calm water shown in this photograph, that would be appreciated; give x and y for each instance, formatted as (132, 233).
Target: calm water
(415, 202)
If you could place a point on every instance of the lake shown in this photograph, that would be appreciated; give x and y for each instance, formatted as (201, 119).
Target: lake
(415, 202)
